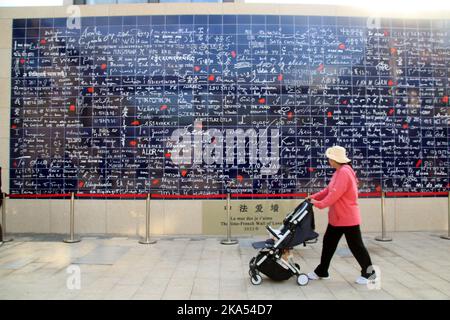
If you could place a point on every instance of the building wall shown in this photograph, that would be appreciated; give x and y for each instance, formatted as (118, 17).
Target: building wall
(176, 217)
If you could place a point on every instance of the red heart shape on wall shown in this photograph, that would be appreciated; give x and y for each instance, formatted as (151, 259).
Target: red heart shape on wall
(418, 163)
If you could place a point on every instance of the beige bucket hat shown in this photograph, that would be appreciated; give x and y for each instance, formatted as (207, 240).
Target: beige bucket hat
(338, 154)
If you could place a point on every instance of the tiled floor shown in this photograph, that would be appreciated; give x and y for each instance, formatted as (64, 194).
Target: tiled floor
(416, 265)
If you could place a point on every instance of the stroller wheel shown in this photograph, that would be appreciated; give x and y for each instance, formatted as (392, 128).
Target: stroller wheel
(302, 279)
(256, 279)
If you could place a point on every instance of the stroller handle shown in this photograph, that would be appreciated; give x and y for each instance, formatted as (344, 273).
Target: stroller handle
(308, 203)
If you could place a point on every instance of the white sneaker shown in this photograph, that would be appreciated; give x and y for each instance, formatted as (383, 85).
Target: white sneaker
(361, 280)
(314, 276)
(364, 281)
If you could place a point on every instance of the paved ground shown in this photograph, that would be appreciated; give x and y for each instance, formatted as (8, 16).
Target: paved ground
(416, 265)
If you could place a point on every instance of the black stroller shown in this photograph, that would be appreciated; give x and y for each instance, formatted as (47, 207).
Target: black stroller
(298, 227)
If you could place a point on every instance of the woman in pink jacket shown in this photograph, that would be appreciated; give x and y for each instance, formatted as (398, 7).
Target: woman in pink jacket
(341, 196)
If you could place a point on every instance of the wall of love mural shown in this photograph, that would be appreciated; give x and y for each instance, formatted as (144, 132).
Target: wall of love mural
(201, 104)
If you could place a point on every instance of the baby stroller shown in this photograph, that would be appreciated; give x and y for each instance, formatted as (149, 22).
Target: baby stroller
(298, 227)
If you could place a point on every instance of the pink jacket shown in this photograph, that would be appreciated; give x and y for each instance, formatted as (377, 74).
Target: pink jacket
(341, 196)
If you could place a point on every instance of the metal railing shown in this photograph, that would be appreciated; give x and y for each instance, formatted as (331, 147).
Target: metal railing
(72, 238)
(147, 239)
(229, 240)
(447, 236)
(383, 236)
(4, 237)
